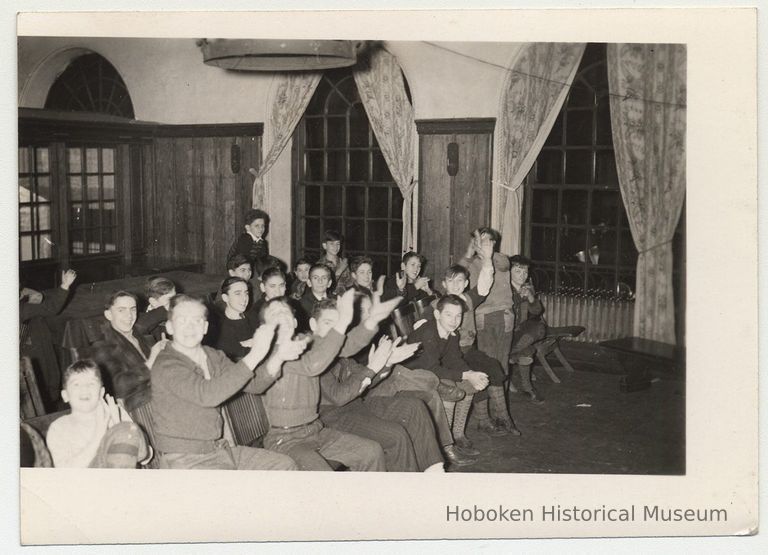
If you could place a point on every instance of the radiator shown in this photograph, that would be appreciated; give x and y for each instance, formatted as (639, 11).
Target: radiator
(603, 318)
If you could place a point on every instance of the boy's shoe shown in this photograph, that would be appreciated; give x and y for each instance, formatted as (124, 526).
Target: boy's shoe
(508, 426)
(464, 446)
(522, 360)
(491, 428)
(449, 391)
(533, 397)
(455, 458)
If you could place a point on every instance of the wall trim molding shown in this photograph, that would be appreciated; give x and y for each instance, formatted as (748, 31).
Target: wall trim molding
(449, 126)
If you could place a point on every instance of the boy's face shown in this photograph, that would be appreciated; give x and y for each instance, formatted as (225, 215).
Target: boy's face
(332, 247)
(486, 239)
(363, 275)
(243, 271)
(237, 297)
(279, 314)
(320, 281)
(83, 391)
(188, 325)
(449, 318)
(257, 227)
(162, 300)
(322, 325)
(518, 274)
(455, 285)
(273, 287)
(122, 314)
(412, 268)
(302, 272)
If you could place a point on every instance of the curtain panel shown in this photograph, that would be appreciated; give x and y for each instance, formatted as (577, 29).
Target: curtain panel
(535, 88)
(289, 96)
(648, 116)
(380, 84)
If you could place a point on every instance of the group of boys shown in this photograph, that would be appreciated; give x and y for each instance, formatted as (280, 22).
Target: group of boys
(338, 392)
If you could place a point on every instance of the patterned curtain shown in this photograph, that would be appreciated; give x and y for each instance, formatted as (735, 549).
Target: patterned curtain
(379, 81)
(534, 91)
(289, 96)
(648, 116)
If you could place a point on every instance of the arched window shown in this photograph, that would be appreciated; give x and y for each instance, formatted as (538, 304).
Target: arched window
(576, 228)
(90, 84)
(342, 180)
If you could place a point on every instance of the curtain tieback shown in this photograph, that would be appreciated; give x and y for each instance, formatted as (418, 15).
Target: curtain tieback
(505, 185)
(656, 246)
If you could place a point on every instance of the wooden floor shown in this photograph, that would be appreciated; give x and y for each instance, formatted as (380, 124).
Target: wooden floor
(587, 426)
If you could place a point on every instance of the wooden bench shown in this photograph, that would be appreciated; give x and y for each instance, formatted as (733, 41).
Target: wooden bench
(640, 358)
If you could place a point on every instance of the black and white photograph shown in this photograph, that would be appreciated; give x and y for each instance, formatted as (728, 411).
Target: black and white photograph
(284, 255)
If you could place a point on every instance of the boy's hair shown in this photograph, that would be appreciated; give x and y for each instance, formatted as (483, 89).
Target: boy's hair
(519, 260)
(270, 262)
(272, 272)
(229, 282)
(256, 214)
(320, 267)
(182, 298)
(116, 295)
(332, 235)
(410, 254)
(80, 367)
(300, 261)
(325, 304)
(359, 261)
(455, 270)
(276, 300)
(450, 299)
(158, 286)
(492, 233)
(236, 261)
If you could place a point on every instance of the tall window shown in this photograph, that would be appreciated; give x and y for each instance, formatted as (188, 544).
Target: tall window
(343, 180)
(92, 220)
(576, 228)
(35, 203)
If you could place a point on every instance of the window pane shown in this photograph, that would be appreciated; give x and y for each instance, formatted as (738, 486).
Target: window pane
(354, 235)
(543, 243)
(378, 236)
(25, 247)
(75, 187)
(396, 210)
(314, 166)
(581, 96)
(93, 215)
(312, 233)
(348, 90)
(76, 245)
(108, 187)
(396, 237)
(544, 206)
(312, 200)
(380, 168)
(314, 128)
(358, 165)
(25, 189)
(579, 127)
(24, 153)
(108, 160)
(578, 167)
(332, 201)
(93, 187)
(317, 104)
(378, 200)
(356, 201)
(604, 123)
(337, 165)
(43, 217)
(605, 172)
(574, 208)
(94, 240)
(627, 250)
(43, 188)
(603, 247)
(25, 218)
(572, 242)
(45, 245)
(549, 167)
(601, 279)
(358, 126)
(330, 224)
(337, 132)
(74, 163)
(91, 160)
(380, 266)
(110, 239)
(555, 136)
(76, 215)
(109, 218)
(41, 159)
(605, 208)
(572, 278)
(337, 104)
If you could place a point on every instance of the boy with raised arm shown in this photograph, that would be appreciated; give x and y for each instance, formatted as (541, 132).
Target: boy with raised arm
(190, 382)
(408, 283)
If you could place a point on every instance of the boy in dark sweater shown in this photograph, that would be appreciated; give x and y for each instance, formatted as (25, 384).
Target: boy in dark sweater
(408, 283)
(251, 243)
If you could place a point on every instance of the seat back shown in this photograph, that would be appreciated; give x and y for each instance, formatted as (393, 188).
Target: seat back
(143, 417)
(247, 417)
(31, 402)
(403, 318)
(423, 304)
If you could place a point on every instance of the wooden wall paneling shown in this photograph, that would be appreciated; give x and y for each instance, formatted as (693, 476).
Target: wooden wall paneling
(58, 154)
(148, 198)
(138, 248)
(123, 201)
(165, 199)
(211, 223)
(434, 204)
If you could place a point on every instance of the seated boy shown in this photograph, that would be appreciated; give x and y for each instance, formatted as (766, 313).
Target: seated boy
(97, 433)
(361, 272)
(251, 243)
(408, 283)
(191, 381)
(300, 278)
(123, 354)
(401, 425)
(319, 282)
(442, 355)
(239, 266)
(159, 290)
(292, 401)
(272, 285)
(332, 258)
(529, 326)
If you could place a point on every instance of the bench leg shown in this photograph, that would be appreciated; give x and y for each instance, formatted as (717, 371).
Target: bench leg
(562, 359)
(547, 367)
